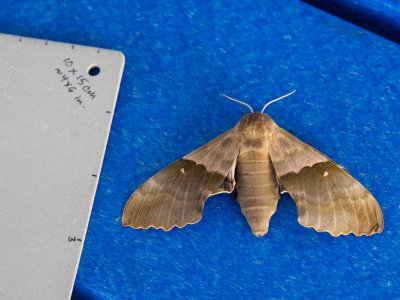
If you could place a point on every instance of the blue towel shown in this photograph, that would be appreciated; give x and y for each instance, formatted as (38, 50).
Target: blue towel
(180, 56)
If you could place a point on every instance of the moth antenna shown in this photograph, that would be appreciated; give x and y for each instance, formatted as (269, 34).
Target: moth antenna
(240, 102)
(277, 99)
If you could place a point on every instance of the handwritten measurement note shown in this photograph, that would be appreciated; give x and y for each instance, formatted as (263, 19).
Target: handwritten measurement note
(74, 239)
(75, 82)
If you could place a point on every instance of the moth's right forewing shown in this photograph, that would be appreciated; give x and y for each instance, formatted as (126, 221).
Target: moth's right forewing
(327, 197)
(290, 155)
(175, 196)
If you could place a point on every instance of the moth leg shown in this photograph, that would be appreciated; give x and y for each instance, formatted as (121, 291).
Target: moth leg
(228, 185)
(282, 188)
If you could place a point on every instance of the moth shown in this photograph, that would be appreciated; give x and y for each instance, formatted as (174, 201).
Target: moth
(261, 161)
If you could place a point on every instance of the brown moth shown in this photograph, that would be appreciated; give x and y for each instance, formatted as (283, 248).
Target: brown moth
(260, 160)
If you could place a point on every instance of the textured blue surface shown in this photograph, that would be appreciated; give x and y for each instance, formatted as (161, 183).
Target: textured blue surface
(381, 17)
(180, 55)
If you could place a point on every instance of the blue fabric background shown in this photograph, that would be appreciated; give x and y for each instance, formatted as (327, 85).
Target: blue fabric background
(180, 55)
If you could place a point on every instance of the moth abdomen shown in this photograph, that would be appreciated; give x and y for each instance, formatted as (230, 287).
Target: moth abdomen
(257, 188)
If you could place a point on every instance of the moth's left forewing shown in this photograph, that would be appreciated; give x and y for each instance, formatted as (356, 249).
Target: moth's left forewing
(175, 196)
(327, 197)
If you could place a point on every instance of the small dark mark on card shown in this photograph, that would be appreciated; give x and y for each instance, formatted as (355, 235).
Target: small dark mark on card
(20, 40)
(45, 43)
(94, 175)
(98, 50)
(74, 239)
(108, 112)
(73, 46)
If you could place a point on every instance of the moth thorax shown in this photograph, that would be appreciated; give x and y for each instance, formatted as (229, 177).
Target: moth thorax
(255, 125)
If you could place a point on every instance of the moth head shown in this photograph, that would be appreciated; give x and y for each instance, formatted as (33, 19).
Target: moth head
(255, 125)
